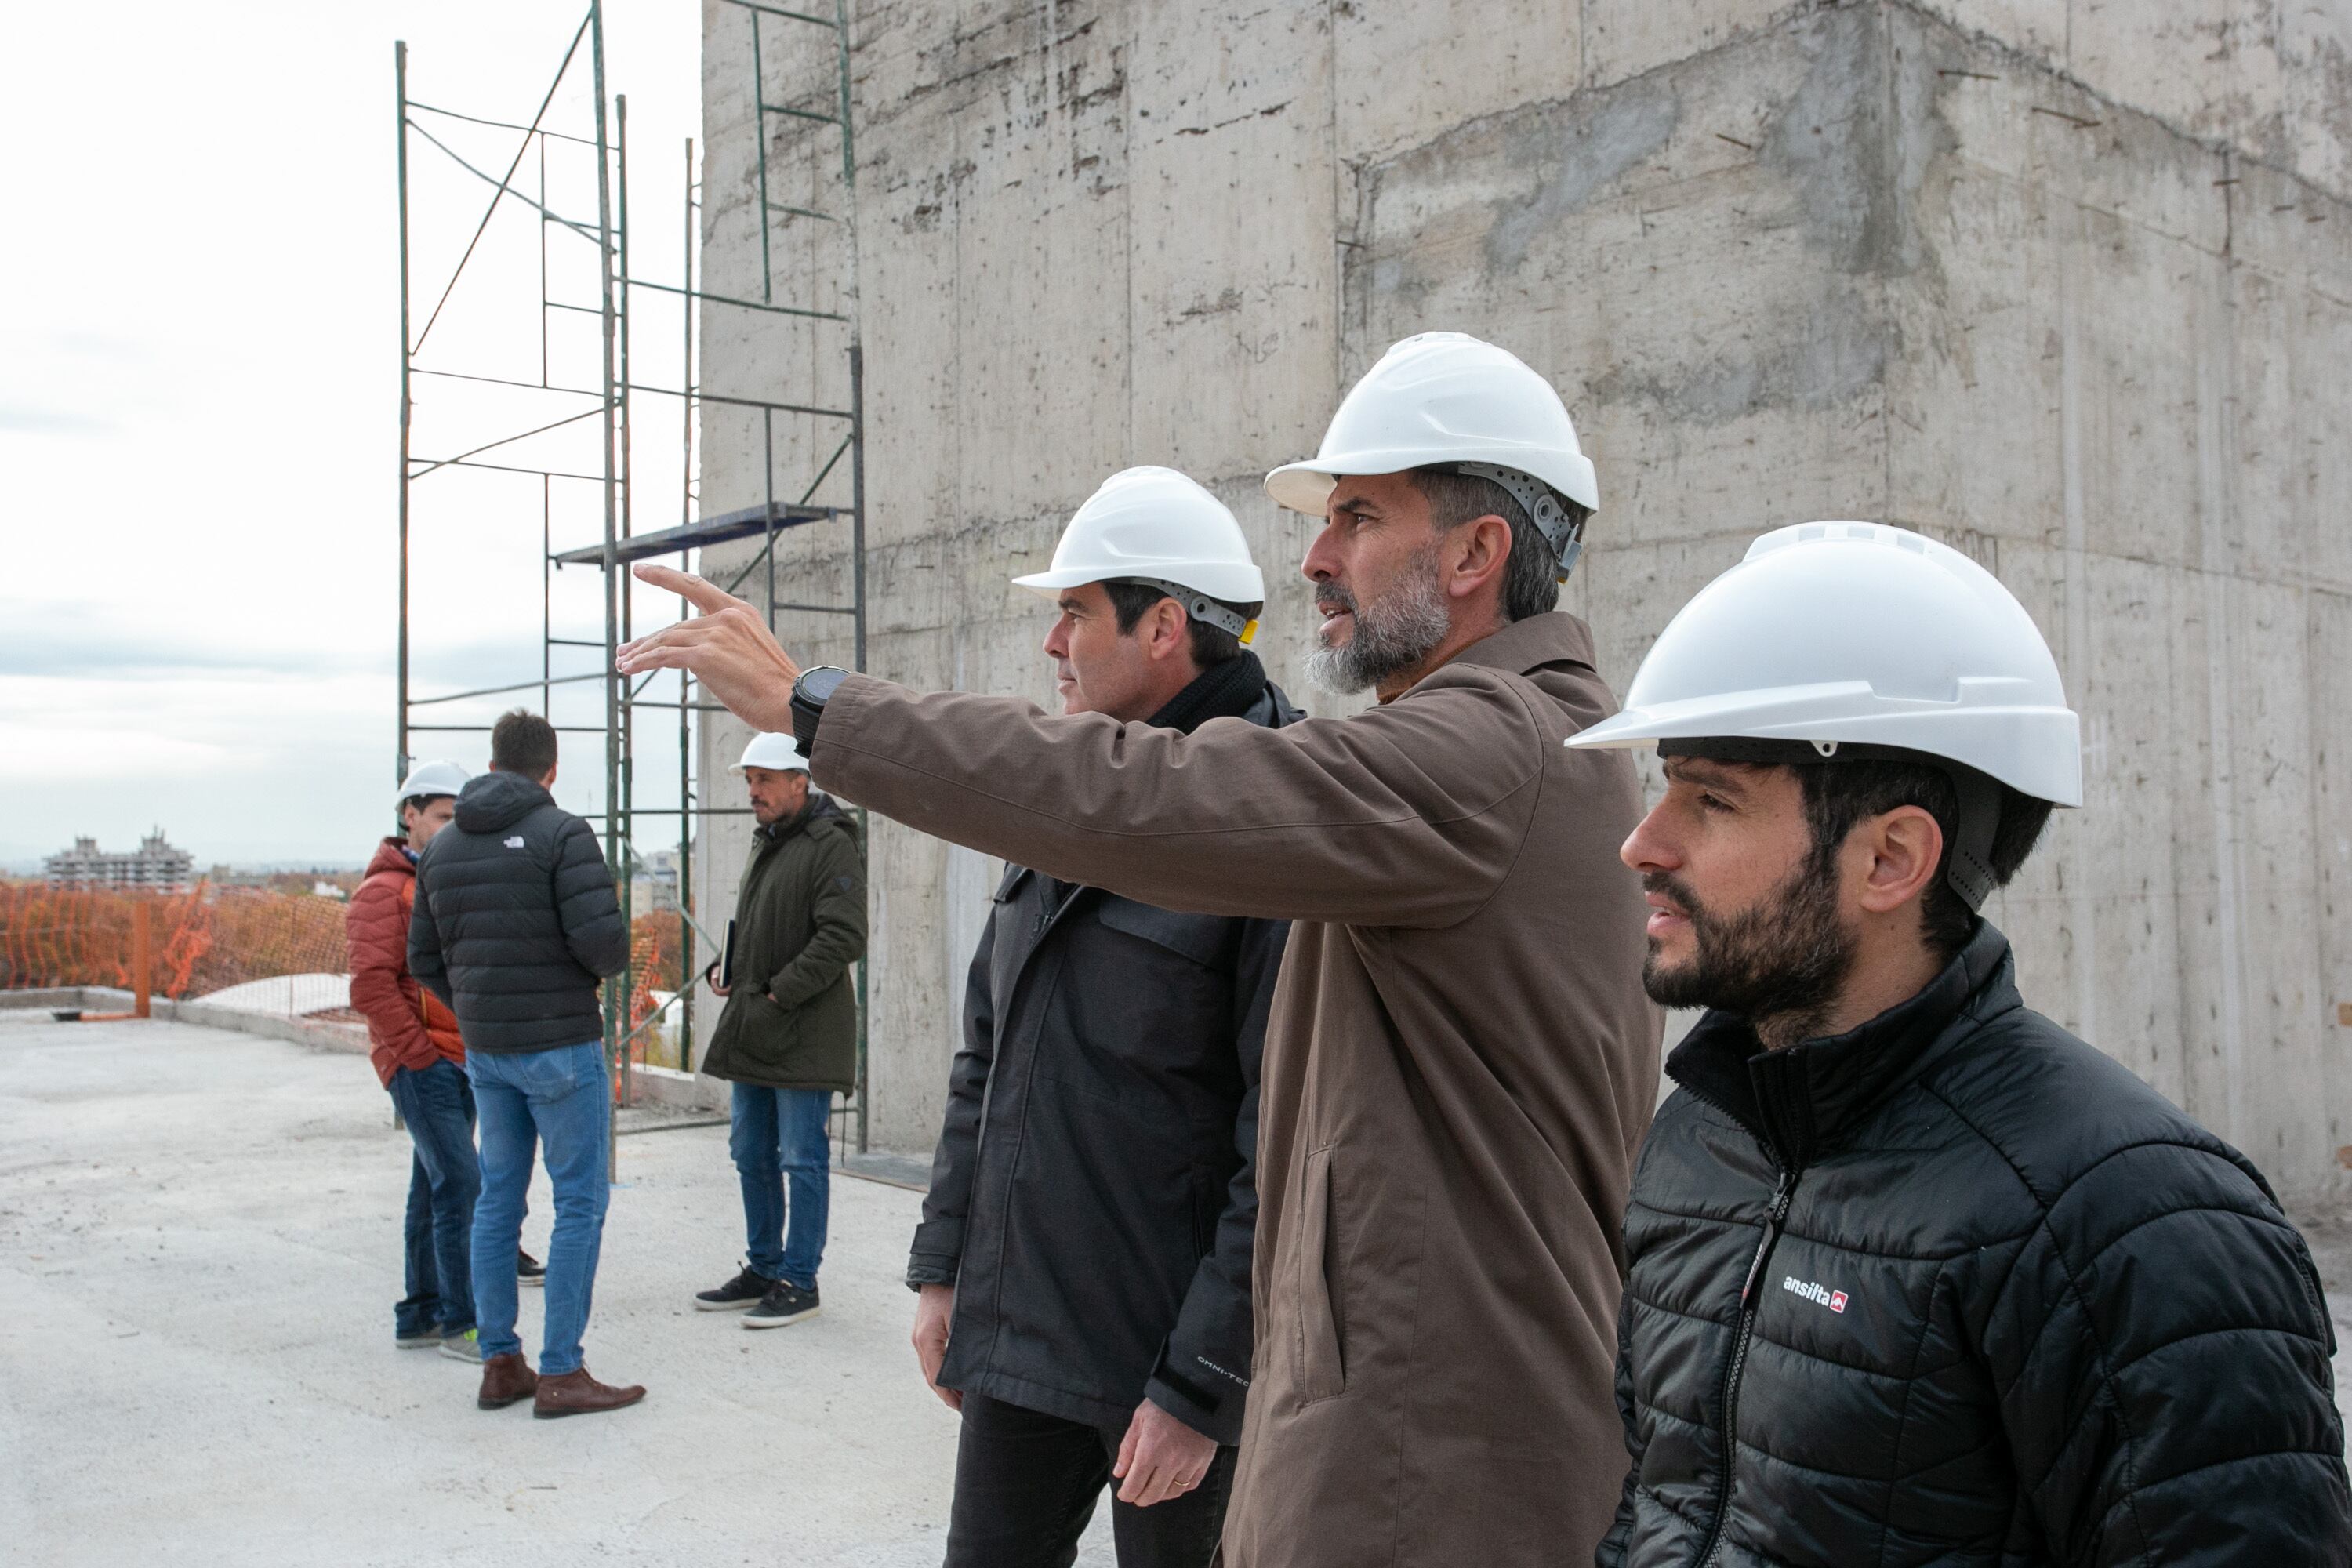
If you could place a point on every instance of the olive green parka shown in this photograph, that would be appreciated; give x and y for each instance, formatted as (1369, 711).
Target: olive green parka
(790, 1021)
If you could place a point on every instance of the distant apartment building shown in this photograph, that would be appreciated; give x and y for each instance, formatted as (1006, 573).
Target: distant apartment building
(656, 882)
(154, 867)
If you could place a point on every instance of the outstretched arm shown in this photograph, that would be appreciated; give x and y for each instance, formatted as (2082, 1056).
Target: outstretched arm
(1410, 815)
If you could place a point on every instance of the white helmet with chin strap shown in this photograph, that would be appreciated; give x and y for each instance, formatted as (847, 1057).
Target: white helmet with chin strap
(1157, 527)
(1449, 400)
(1859, 640)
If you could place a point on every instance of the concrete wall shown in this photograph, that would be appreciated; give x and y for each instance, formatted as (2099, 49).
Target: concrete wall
(2060, 283)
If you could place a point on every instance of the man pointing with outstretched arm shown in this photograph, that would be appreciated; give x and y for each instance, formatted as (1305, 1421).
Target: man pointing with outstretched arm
(1461, 1060)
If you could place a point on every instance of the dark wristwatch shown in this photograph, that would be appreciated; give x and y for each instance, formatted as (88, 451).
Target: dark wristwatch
(811, 692)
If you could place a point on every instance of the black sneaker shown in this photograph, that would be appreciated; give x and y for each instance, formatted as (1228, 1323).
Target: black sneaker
(744, 1291)
(785, 1302)
(529, 1270)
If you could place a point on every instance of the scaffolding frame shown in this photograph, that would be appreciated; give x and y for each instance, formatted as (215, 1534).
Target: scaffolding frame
(621, 545)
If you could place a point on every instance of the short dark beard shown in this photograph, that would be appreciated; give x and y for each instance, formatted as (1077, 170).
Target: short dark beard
(1394, 633)
(1779, 965)
(781, 818)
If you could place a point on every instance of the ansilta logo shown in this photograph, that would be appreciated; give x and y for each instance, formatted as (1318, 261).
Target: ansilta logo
(1833, 1300)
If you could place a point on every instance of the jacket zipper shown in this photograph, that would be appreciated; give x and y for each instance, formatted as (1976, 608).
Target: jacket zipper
(1750, 1299)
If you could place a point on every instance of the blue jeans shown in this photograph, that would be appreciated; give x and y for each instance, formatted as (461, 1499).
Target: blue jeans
(443, 1180)
(780, 1132)
(561, 1098)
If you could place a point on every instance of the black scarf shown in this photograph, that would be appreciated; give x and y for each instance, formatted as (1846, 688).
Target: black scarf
(1225, 691)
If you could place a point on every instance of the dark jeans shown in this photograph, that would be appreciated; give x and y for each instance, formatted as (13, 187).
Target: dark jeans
(1025, 1486)
(558, 1100)
(443, 1180)
(779, 1133)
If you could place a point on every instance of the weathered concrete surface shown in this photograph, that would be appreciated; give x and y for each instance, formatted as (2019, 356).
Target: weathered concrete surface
(2060, 280)
(199, 1251)
(1979, 300)
(326, 1033)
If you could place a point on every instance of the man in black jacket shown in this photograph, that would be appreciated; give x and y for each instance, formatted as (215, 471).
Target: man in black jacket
(515, 920)
(1916, 1276)
(1084, 1258)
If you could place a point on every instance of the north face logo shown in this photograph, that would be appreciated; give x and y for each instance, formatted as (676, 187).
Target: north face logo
(516, 842)
(1833, 1300)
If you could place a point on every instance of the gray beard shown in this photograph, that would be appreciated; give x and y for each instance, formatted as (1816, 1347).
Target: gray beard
(1392, 634)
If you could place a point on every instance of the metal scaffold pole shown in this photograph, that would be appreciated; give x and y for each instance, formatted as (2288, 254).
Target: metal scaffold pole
(614, 853)
(686, 967)
(400, 93)
(856, 491)
(627, 741)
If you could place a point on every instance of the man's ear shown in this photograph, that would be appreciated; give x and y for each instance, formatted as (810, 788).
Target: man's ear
(1905, 848)
(549, 782)
(1475, 554)
(1169, 632)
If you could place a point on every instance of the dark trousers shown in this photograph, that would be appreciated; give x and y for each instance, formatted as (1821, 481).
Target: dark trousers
(1025, 1488)
(444, 1181)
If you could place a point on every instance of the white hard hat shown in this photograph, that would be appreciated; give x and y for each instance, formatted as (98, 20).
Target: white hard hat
(1447, 398)
(1846, 639)
(781, 752)
(1156, 526)
(426, 780)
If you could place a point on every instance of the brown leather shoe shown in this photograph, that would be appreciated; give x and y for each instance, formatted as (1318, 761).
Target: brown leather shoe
(577, 1394)
(505, 1379)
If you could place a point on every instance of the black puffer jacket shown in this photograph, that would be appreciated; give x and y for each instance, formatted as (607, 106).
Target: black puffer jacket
(2007, 1306)
(1094, 1198)
(515, 919)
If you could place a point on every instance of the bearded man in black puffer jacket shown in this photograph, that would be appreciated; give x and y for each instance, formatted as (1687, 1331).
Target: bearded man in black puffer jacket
(1915, 1277)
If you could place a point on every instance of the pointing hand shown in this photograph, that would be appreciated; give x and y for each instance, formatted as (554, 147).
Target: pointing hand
(728, 647)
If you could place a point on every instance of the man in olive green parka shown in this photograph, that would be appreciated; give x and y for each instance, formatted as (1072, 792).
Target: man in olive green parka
(788, 1039)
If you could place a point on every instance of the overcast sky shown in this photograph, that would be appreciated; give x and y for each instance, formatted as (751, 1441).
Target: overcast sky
(199, 379)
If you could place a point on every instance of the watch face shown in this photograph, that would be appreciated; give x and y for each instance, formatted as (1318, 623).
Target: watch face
(818, 685)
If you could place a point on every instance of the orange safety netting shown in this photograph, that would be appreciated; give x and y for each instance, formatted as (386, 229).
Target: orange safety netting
(202, 942)
(213, 937)
(654, 947)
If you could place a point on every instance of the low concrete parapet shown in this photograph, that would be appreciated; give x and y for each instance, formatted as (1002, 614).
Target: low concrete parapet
(680, 1090)
(326, 1036)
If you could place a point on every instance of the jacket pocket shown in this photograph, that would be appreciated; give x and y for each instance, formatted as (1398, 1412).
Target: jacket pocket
(770, 1034)
(1201, 938)
(1322, 1369)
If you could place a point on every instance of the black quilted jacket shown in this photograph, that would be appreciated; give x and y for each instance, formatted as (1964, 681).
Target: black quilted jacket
(515, 919)
(2002, 1305)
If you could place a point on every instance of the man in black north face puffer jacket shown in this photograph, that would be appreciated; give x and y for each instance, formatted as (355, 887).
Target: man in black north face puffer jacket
(1915, 1277)
(516, 919)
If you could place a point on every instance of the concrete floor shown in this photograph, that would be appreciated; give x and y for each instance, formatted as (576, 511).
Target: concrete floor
(199, 1251)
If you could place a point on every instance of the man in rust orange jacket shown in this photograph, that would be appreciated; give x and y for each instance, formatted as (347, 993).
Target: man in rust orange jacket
(413, 1042)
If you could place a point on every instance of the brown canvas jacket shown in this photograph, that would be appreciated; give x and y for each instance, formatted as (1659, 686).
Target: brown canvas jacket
(1460, 1065)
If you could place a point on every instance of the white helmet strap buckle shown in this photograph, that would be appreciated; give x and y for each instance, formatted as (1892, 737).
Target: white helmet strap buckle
(1541, 503)
(1202, 608)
